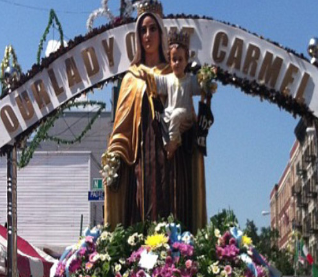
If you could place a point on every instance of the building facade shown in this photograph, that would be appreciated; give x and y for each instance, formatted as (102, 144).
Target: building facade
(293, 200)
(52, 190)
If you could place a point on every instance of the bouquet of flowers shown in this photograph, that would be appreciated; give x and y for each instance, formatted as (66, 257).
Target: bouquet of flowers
(111, 164)
(161, 249)
(206, 76)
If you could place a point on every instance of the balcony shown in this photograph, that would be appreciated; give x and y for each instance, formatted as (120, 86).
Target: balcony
(313, 228)
(296, 189)
(302, 201)
(301, 172)
(311, 192)
(310, 159)
(310, 189)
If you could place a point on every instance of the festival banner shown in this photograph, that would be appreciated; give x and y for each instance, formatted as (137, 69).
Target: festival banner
(238, 53)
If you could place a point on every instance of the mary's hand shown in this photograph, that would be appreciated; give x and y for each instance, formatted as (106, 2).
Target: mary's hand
(139, 73)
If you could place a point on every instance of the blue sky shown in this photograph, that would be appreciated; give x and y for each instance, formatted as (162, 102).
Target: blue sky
(250, 141)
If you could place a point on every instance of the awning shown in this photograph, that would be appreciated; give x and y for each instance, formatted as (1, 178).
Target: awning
(30, 260)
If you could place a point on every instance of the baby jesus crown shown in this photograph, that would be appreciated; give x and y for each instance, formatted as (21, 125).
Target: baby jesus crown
(150, 6)
(181, 38)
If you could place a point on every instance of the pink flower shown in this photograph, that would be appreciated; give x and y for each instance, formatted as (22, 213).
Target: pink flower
(88, 265)
(89, 239)
(92, 257)
(228, 269)
(188, 264)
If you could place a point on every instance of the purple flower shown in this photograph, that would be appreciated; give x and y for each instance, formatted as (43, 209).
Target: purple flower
(226, 236)
(232, 241)
(141, 273)
(184, 249)
(260, 271)
(60, 269)
(220, 252)
(74, 265)
(81, 252)
(135, 256)
(169, 261)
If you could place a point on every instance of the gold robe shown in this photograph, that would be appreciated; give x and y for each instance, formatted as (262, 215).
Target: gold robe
(131, 200)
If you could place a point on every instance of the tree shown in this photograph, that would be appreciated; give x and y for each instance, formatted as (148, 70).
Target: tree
(251, 231)
(267, 246)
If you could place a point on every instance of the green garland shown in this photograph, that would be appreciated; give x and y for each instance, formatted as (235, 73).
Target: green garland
(43, 39)
(42, 133)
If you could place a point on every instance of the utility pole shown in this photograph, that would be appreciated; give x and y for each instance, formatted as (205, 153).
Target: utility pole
(12, 211)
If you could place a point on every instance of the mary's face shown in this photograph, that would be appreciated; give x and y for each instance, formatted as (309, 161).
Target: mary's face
(149, 35)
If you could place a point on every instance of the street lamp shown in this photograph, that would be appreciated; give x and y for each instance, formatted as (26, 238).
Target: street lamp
(265, 213)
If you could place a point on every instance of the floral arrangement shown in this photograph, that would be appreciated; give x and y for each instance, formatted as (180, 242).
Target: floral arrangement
(111, 164)
(206, 76)
(160, 249)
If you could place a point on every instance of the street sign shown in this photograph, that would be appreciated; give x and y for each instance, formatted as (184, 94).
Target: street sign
(96, 196)
(97, 184)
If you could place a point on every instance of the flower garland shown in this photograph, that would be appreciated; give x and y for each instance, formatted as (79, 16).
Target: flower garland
(9, 52)
(52, 17)
(160, 249)
(126, 11)
(42, 133)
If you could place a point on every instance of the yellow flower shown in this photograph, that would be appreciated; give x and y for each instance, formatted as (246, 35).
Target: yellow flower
(246, 240)
(156, 240)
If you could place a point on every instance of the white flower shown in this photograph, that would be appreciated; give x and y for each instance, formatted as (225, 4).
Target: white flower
(122, 261)
(215, 268)
(163, 254)
(160, 226)
(217, 233)
(105, 257)
(105, 235)
(131, 240)
(117, 267)
(126, 274)
(96, 257)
